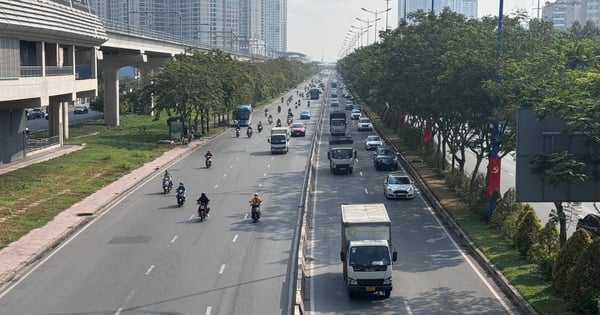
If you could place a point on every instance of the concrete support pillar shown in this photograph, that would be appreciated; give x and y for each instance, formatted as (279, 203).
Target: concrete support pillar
(111, 94)
(64, 111)
(12, 135)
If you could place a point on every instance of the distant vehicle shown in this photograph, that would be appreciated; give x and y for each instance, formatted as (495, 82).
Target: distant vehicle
(398, 185)
(337, 123)
(334, 84)
(314, 93)
(298, 129)
(364, 124)
(349, 105)
(341, 155)
(385, 159)
(305, 114)
(372, 142)
(279, 140)
(355, 114)
(35, 113)
(590, 223)
(80, 109)
(243, 114)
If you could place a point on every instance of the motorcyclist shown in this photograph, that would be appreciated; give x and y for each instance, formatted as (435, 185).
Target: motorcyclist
(260, 126)
(167, 176)
(181, 191)
(266, 112)
(208, 154)
(270, 119)
(278, 122)
(279, 108)
(255, 201)
(290, 114)
(249, 131)
(308, 104)
(203, 200)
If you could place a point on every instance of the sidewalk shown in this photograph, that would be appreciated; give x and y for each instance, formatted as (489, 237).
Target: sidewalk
(22, 253)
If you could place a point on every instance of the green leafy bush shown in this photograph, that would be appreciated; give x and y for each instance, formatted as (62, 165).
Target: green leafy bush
(583, 285)
(527, 232)
(567, 258)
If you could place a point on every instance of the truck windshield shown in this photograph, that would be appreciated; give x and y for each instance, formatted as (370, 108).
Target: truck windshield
(338, 123)
(277, 139)
(341, 154)
(362, 256)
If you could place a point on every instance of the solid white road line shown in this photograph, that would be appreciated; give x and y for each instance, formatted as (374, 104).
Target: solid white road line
(222, 269)
(173, 239)
(235, 238)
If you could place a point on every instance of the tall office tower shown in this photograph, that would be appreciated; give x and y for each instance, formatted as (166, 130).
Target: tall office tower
(466, 7)
(563, 13)
(275, 22)
(591, 10)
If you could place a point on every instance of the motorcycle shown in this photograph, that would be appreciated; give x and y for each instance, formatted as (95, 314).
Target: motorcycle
(167, 184)
(270, 120)
(278, 123)
(290, 120)
(260, 128)
(249, 132)
(180, 198)
(208, 161)
(203, 210)
(255, 213)
(237, 132)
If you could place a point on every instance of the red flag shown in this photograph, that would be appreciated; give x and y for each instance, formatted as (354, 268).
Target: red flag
(428, 133)
(400, 119)
(493, 175)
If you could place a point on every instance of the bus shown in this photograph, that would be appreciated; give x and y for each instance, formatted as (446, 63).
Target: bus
(314, 93)
(243, 114)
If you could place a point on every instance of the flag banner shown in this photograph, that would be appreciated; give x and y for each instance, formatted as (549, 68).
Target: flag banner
(493, 175)
(428, 136)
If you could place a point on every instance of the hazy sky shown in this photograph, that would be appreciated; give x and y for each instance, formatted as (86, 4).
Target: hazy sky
(318, 27)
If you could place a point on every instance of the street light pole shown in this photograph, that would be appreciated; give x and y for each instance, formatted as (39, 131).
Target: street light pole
(376, 19)
(387, 10)
(368, 25)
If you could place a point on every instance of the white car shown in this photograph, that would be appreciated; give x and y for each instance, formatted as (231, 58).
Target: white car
(373, 142)
(364, 123)
(355, 114)
(398, 185)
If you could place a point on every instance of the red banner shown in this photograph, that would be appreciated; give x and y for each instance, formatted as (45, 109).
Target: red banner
(428, 136)
(493, 175)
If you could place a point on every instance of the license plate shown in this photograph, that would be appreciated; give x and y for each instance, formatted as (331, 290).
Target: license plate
(370, 289)
(342, 168)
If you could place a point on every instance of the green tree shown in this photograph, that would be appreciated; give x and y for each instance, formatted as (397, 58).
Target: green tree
(584, 289)
(527, 232)
(567, 258)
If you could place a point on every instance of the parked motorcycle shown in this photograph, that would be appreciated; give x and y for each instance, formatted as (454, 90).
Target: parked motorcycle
(203, 210)
(180, 198)
(255, 213)
(167, 185)
(208, 161)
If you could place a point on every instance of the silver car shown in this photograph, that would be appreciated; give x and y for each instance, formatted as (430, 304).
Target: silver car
(398, 185)
(372, 142)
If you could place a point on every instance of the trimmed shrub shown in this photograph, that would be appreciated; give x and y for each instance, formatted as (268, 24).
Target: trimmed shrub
(567, 258)
(527, 232)
(584, 287)
(544, 250)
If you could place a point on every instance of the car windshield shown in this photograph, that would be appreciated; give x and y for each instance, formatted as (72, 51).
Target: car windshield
(305, 112)
(396, 180)
(338, 123)
(364, 120)
(297, 126)
(384, 151)
(369, 256)
(373, 138)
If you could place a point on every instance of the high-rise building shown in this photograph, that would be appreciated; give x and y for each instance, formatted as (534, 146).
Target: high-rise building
(466, 7)
(225, 24)
(563, 13)
(275, 22)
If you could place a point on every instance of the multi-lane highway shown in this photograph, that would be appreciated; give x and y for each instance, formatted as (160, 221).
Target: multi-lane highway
(433, 275)
(147, 256)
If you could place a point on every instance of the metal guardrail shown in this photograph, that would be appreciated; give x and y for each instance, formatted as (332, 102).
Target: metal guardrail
(34, 144)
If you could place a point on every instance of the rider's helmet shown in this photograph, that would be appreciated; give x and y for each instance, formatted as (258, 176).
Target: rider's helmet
(203, 194)
(255, 194)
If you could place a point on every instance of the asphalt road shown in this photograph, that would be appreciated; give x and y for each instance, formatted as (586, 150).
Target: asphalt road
(145, 255)
(432, 275)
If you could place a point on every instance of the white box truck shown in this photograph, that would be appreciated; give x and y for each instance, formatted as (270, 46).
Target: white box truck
(367, 252)
(279, 140)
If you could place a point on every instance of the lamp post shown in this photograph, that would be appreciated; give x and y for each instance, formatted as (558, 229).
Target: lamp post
(376, 19)
(368, 25)
(387, 10)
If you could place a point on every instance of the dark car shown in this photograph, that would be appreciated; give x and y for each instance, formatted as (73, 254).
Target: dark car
(384, 159)
(298, 130)
(35, 113)
(590, 223)
(80, 109)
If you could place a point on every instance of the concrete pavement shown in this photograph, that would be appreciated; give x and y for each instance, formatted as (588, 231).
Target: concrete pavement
(19, 255)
